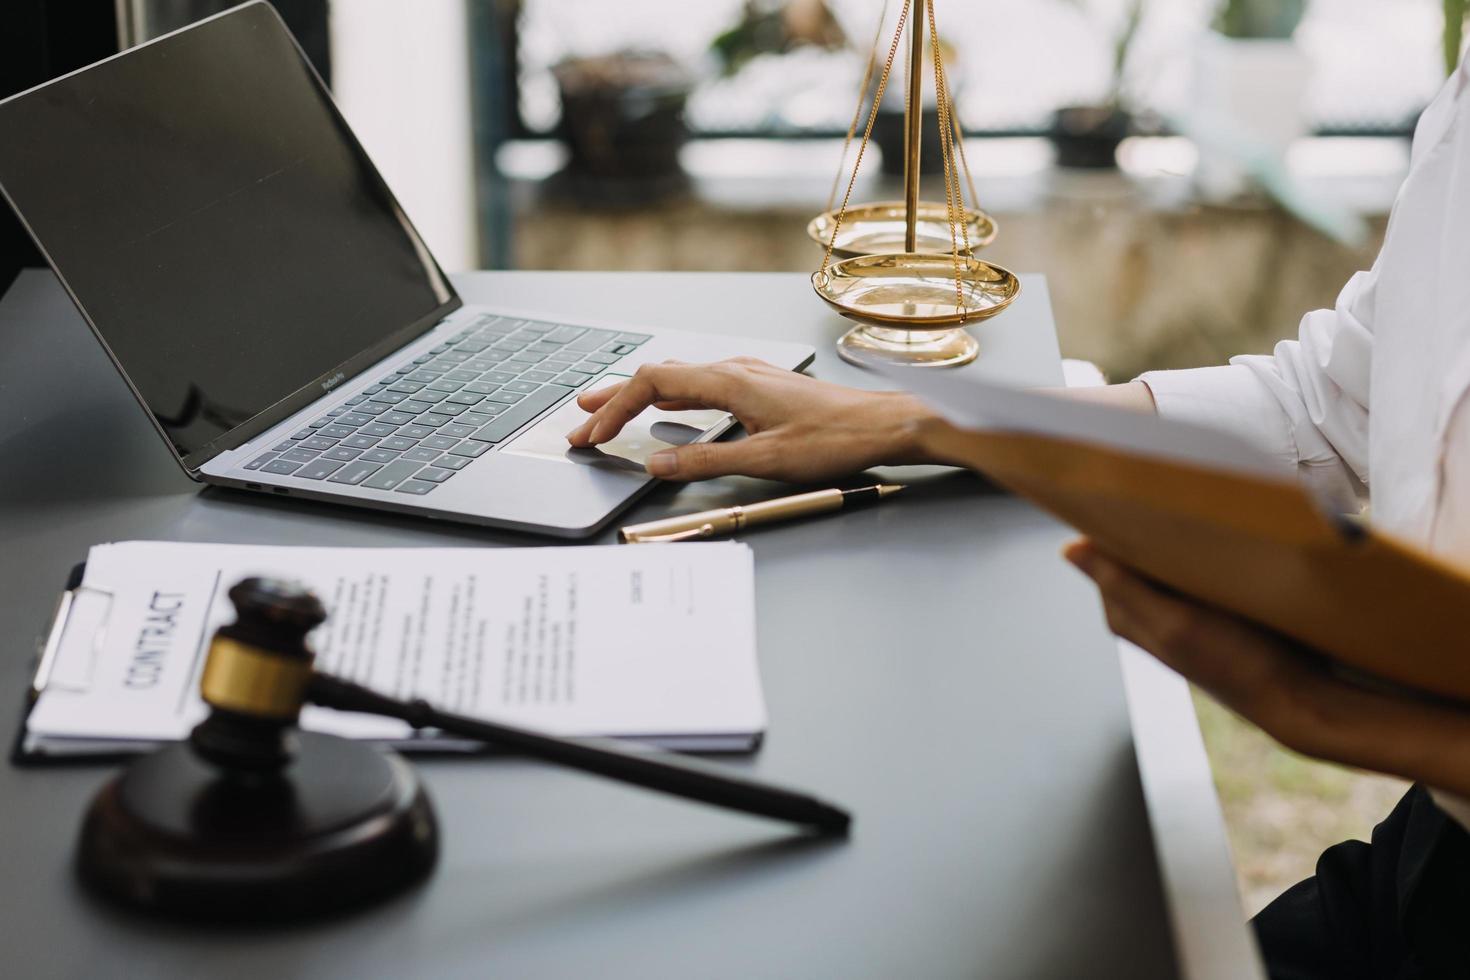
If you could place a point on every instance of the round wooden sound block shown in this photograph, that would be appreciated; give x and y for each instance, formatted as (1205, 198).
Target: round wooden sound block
(341, 826)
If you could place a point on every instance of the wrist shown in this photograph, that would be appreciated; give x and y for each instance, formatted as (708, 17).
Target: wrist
(904, 416)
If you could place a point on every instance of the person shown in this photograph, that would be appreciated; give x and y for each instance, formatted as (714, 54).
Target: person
(1370, 401)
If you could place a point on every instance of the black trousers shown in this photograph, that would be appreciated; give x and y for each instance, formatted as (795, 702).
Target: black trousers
(1394, 909)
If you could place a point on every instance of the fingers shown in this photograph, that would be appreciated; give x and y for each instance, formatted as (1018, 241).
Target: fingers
(705, 385)
(1281, 687)
(703, 460)
(591, 401)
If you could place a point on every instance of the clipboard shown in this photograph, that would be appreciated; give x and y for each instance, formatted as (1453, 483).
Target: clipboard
(1259, 548)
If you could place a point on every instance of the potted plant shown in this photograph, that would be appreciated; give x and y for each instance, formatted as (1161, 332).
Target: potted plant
(1250, 85)
(1087, 136)
(623, 122)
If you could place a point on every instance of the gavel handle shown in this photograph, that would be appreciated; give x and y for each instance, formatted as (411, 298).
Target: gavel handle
(656, 771)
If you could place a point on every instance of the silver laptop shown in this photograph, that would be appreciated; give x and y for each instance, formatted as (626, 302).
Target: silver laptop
(279, 318)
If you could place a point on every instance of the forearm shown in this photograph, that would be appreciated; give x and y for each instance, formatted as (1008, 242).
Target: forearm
(901, 443)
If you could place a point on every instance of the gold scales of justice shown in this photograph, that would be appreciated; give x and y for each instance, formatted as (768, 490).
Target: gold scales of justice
(911, 306)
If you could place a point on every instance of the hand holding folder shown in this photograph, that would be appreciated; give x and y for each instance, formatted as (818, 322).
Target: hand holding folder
(1204, 514)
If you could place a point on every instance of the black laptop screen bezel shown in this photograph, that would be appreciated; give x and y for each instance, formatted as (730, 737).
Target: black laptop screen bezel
(333, 376)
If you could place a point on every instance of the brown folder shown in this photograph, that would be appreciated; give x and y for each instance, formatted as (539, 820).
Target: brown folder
(1259, 548)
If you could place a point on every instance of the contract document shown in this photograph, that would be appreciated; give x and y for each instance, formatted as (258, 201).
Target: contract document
(650, 643)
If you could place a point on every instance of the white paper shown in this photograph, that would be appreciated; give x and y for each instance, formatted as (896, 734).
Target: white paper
(971, 403)
(652, 640)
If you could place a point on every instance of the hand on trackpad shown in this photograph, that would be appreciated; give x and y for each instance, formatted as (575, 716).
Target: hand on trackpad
(641, 438)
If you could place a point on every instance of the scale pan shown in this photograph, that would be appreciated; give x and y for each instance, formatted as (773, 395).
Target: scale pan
(875, 229)
(912, 291)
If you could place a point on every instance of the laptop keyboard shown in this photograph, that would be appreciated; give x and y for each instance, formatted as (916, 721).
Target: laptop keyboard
(435, 415)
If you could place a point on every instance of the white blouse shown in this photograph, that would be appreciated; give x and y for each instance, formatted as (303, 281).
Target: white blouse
(1370, 399)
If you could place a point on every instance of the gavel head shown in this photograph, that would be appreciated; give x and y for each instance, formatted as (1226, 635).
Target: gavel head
(256, 676)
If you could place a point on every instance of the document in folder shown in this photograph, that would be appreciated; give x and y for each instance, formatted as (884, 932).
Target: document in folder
(651, 643)
(1206, 514)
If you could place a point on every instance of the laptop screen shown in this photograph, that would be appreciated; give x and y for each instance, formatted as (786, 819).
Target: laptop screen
(219, 226)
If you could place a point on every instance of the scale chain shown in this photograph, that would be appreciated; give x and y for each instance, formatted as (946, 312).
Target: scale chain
(867, 133)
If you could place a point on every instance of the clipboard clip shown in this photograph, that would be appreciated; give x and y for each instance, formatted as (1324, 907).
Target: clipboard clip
(46, 670)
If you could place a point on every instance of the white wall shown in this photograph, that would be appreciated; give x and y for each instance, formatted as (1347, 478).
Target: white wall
(400, 73)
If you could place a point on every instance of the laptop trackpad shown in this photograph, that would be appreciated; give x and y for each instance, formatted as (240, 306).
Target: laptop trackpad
(640, 438)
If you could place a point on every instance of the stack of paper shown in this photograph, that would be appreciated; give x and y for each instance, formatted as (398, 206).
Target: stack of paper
(654, 643)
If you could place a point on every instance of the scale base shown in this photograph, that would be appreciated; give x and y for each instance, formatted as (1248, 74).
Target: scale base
(916, 348)
(342, 826)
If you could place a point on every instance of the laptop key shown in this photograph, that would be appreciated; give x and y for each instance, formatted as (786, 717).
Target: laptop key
(318, 443)
(572, 379)
(522, 387)
(434, 475)
(378, 456)
(470, 448)
(280, 466)
(299, 455)
(525, 357)
(592, 340)
(433, 419)
(377, 429)
(471, 347)
(633, 338)
(389, 397)
(360, 442)
(474, 419)
(423, 376)
(407, 387)
(464, 398)
(418, 487)
(417, 407)
(480, 388)
(319, 469)
(319, 423)
(504, 397)
(512, 419)
(354, 419)
(537, 376)
(343, 453)
(598, 357)
(537, 327)
(285, 447)
(370, 409)
(391, 475)
(588, 367)
(415, 431)
(459, 430)
(497, 377)
(396, 418)
(422, 454)
(565, 335)
(356, 400)
(260, 461)
(372, 389)
(448, 409)
(339, 410)
(302, 434)
(397, 443)
(334, 432)
(440, 442)
(453, 462)
(431, 397)
(446, 386)
(355, 473)
(543, 347)
(462, 375)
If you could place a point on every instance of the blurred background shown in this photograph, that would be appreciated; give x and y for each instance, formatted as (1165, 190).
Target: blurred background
(1192, 175)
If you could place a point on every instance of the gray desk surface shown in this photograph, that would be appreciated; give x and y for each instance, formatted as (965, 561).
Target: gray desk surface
(931, 664)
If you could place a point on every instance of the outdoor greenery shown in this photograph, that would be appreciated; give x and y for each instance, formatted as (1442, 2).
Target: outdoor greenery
(1260, 19)
(1456, 13)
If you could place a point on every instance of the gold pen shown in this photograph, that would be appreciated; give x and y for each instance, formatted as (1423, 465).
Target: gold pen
(727, 520)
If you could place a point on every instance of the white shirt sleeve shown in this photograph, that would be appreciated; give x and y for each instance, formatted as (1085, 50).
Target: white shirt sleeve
(1305, 405)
